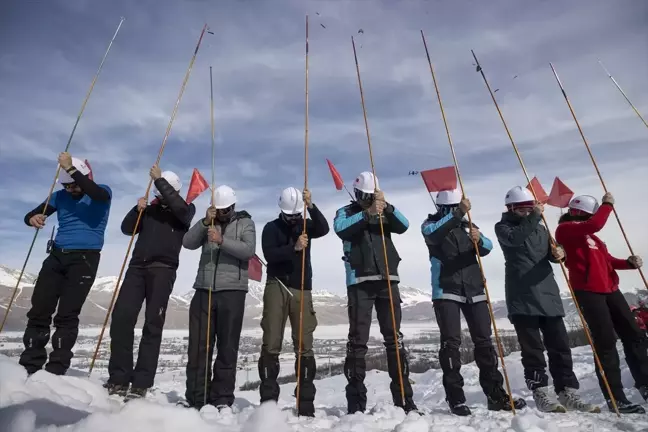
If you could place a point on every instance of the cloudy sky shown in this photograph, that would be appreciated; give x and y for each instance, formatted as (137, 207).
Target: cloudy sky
(49, 51)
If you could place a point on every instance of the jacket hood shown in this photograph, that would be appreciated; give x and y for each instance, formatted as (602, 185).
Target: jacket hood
(241, 215)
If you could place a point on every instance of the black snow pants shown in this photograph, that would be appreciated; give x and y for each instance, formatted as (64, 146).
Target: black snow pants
(361, 299)
(152, 285)
(556, 341)
(227, 309)
(62, 286)
(448, 319)
(609, 316)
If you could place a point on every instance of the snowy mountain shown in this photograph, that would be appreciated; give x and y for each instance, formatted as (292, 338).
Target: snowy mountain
(330, 308)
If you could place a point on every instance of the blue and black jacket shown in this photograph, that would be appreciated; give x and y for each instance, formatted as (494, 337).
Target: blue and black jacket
(455, 271)
(364, 259)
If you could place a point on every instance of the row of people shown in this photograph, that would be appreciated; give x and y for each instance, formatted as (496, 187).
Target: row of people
(227, 239)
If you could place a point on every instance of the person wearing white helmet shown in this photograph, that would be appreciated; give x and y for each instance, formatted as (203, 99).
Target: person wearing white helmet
(82, 208)
(357, 225)
(457, 288)
(283, 245)
(594, 279)
(232, 243)
(149, 279)
(534, 303)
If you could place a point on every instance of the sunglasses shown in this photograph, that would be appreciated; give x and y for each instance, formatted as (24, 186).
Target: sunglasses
(68, 186)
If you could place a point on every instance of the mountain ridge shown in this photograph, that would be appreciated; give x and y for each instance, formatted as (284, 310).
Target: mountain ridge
(331, 309)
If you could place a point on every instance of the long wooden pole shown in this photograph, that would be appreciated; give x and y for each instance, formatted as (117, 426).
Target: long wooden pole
(500, 349)
(148, 188)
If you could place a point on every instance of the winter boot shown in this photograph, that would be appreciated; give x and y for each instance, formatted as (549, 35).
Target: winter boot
(268, 372)
(626, 407)
(546, 401)
(392, 367)
(571, 400)
(135, 393)
(459, 409)
(501, 402)
(222, 407)
(306, 386)
(643, 391)
(410, 406)
(356, 391)
(116, 389)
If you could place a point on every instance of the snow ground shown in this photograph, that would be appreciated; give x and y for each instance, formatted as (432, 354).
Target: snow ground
(45, 402)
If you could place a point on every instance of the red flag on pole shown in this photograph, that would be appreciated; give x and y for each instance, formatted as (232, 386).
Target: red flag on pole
(255, 269)
(90, 168)
(440, 179)
(540, 193)
(337, 178)
(560, 194)
(197, 186)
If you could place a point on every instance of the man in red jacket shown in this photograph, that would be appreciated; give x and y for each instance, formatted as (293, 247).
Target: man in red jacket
(592, 274)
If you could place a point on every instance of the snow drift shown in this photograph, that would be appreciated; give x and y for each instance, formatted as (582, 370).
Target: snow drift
(45, 402)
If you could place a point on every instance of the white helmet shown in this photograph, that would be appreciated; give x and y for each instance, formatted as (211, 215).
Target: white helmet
(449, 197)
(518, 195)
(173, 179)
(80, 165)
(224, 197)
(291, 201)
(365, 182)
(586, 203)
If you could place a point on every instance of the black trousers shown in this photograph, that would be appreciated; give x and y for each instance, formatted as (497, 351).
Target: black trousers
(63, 284)
(556, 341)
(227, 310)
(609, 316)
(448, 319)
(361, 300)
(152, 285)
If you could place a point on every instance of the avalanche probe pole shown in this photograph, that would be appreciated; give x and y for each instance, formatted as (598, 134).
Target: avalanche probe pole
(553, 242)
(623, 93)
(598, 172)
(303, 258)
(58, 169)
(500, 350)
(211, 249)
(139, 215)
(382, 232)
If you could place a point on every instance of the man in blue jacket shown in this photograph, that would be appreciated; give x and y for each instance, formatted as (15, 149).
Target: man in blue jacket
(357, 225)
(149, 279)
(69, 271)
(458, 287)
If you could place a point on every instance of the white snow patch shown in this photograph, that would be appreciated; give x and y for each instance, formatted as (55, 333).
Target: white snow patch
(45, 402)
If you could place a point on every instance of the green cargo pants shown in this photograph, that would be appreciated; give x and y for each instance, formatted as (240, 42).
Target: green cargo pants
(278, 306)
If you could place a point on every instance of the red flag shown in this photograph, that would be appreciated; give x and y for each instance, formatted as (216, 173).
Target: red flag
(90, 168)
(560, 194)
(440, 179)
(255, 269)
(197, 186)
(337, 178)
(540, 193)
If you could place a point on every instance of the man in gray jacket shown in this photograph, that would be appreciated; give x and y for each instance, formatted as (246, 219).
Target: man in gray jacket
(228, 241)
(534, 304)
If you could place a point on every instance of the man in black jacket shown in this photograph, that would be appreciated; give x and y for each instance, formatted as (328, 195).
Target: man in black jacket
(283, 245)
(68, 272)
(534, 304)
(458, 286)
(357, 225)
(150, 277)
